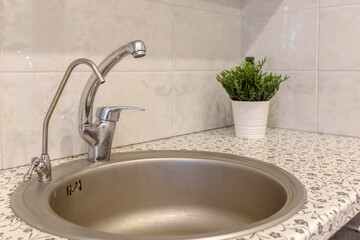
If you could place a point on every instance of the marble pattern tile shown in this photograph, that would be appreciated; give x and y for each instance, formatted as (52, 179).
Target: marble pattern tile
(339, 38)
(23, 111)
(288, 40)
(339, 102)
(199, 42)
(200, 103)
(48, 35)
(294, 105)
(261, 7)
(331, 3)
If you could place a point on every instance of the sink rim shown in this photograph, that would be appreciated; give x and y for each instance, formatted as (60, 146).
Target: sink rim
(30, 207)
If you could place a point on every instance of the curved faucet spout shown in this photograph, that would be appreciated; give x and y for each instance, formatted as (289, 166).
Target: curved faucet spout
(136, 49)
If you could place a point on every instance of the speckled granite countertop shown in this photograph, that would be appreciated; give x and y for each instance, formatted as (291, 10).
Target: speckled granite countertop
(327, 165)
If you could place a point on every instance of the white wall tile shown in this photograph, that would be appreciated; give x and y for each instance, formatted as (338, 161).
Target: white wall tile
(23, 112)
(47, 35)
(304, 41)
(339, 38)
(188, 43)
(26, 98)
(200, 102)
(331, 3)
(288, 40)
(261, 7)
(199, 42)
(339, 102)
(152, 91)
(294, 104)
(39, 39)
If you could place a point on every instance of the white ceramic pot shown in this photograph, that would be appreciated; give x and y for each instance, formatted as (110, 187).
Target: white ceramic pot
(250, 119)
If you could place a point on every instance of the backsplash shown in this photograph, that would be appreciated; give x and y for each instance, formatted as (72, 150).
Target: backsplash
(316, 42)
(188, 44)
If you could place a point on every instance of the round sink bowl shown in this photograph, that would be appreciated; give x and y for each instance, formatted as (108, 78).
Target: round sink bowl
(158, 195)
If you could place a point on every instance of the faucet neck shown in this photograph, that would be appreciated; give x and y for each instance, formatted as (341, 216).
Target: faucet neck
(92, 85)
(42, 165)
(59, 91)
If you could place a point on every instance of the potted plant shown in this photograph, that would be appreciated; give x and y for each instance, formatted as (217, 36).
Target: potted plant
(250, 90)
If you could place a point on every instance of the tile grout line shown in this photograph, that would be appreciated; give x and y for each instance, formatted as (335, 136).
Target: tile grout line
(1, 96)
(287, 70)
(301, 9)
(173, 106)
(1, 126)
(317, 65)
(84, 72)
(341, 5)
(329, 70)
(172, 72)
(199, 9)
(182, 71)
(280, 12)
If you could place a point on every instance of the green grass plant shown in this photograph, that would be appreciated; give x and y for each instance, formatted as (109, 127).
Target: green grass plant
(247, 82)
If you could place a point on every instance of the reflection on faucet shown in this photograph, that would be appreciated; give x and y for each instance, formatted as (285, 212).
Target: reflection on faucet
(99, 134)
(92, 133)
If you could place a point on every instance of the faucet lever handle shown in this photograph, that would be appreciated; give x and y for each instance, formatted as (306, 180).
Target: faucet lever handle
(35, 162)
(112, 114)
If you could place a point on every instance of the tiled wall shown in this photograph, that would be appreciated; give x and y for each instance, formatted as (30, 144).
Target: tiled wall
(317, 43)
(188, 43)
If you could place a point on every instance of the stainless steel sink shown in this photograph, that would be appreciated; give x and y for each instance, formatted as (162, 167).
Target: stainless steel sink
(160, 195)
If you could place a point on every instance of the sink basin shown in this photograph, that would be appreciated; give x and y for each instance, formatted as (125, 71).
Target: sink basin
(160, 195)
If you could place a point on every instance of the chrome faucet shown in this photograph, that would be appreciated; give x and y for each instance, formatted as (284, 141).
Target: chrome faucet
(97, 135)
